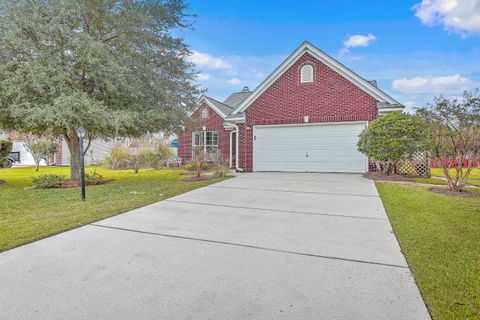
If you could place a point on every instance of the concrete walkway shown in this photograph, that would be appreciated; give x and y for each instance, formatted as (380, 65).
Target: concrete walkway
(259, 246)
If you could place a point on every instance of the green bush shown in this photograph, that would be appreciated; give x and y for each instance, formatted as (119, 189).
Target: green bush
(5, 149)
(48, 181)
(94, 178)
(221, 172)
(191, 165)
(392, 137)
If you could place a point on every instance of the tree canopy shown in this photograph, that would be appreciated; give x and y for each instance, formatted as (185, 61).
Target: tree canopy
(113, 67)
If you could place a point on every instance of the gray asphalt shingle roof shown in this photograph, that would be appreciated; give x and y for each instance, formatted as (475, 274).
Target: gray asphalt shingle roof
(220, 106)
(237, 97)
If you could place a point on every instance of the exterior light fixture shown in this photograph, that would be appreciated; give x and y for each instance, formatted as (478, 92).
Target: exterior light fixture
(82, 132)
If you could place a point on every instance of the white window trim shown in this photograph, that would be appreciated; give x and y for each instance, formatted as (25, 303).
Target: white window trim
(204, 141)
(312, 70)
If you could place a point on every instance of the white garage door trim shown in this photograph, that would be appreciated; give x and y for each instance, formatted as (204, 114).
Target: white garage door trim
(303, 166)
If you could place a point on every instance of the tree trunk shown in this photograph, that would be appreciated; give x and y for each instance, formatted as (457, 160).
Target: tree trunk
(73, 144)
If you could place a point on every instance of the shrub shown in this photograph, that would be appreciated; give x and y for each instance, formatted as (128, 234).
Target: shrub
(118, 158)
(191, 165)
(48, 181)
(139, 159)
(94, 178)
(5, 149)
(159, 154)
(392, 137)
(215, 157)
(221, 172)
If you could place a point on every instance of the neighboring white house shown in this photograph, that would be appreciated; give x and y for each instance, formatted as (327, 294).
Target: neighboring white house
(98, 151)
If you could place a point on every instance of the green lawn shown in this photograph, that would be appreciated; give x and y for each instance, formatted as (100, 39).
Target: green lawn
(31, 214)
(440, 236)
(474, 178)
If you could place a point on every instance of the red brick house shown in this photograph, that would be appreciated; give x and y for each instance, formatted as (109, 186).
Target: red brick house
(304, 117)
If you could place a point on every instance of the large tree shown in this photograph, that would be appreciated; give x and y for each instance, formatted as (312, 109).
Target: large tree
(455, 127)
(113, 67)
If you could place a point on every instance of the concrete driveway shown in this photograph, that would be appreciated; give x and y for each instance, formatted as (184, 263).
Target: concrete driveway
(259, 246)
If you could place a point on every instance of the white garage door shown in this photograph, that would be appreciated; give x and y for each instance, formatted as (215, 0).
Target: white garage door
(308, 148)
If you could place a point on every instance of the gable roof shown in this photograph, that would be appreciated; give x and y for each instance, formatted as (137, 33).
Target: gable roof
(383, 99)
(220, 108)
(237, 97)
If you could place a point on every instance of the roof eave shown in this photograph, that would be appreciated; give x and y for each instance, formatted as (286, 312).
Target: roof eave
(387, 108)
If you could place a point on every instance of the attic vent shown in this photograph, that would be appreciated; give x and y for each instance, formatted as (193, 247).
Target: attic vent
(204, 113)
(306, 73)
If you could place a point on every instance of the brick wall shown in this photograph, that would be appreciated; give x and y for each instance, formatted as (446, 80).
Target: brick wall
(329, 98)
(214, 122)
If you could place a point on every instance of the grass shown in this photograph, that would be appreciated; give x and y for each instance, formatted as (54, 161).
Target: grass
(440, 237)
(474, 178)
(28, 214)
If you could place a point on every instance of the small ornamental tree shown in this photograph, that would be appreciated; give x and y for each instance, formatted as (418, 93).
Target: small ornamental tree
(40, 150)
(392, 137)
(455, 129)
(200, 160)
(5, 149)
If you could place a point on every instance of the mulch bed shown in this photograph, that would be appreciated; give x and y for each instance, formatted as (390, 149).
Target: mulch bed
(463, 193)
(72, 183)
(201, 178)
(378, 176)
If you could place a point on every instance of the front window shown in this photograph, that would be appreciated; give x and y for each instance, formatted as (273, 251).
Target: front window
(205, 142)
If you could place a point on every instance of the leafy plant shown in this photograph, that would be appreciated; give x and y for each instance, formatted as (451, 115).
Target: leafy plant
(139, 159)
(191, 165)
(40, 150)
(118, 158)
(48, 181)
(221, 172)
(394, 136)
(5, 149)
(94, 178)
(455, 128)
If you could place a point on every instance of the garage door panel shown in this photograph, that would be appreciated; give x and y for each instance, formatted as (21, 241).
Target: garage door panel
(308, 148)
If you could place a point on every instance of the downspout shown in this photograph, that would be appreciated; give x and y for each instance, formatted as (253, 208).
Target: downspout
(236, 149)
(231, 148)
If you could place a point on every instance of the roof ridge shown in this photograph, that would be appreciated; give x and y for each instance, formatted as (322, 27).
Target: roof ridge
(226, 105)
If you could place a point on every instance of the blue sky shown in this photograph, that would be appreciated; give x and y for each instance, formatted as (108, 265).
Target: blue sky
(415, 49)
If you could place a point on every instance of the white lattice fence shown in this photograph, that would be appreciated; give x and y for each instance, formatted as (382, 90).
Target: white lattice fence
(418, 165)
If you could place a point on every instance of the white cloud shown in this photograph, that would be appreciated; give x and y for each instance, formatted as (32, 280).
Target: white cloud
(205, 60)
(443, 84)
(460, 16)
(357, 40)
(202, 76)
(234, 81)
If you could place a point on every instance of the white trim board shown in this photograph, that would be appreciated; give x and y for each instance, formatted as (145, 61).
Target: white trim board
(348, 74)
(209, 104)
